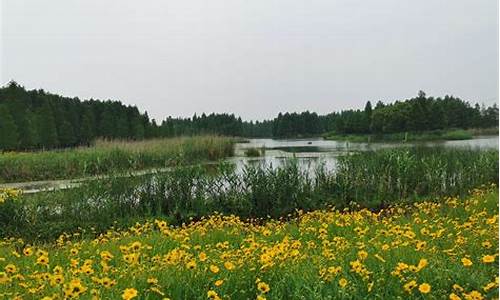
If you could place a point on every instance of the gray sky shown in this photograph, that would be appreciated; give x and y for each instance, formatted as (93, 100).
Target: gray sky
(252, 57)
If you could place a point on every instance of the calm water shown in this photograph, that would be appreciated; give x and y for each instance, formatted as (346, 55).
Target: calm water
(308, 152)
(311, 152)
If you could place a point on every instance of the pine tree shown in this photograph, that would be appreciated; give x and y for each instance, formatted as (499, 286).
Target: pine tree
(8, 130)
(66, 134)
(28, 135)
(47, 127)
(87, 133)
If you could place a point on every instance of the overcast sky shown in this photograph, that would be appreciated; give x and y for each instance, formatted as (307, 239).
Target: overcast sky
(252, 57)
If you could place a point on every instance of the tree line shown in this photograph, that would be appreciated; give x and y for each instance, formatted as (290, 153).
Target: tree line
(36, 119)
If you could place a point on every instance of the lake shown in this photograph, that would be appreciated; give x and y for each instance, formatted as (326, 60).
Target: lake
(311, 152)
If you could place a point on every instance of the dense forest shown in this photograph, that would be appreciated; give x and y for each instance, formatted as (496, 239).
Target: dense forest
(36, 119)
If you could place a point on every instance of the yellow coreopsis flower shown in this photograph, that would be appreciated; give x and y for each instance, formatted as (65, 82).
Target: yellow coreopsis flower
(129, 293)
(10, 268)
(214, 269)
(454, 296)
(43, 260)
(343, 282)
(263, 287)
(219, 282)
(424, 288)
(229, 265)
(28, 251)
(466, 262)
(488, 259)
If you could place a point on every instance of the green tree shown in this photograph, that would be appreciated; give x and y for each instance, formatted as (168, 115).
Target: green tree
(47, 127)
(66, 134)
(8, 130)
(87, 133)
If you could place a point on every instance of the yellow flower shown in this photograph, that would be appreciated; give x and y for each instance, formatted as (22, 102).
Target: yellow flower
(219, 282)
(229, 265)
(202, 256)
(474, 295)
(424, 288)
(489, 286)
(422, 264)
(56, 279)
(136, 246)
(488, 259)
(191, 265)
(420, 245)
(409, 286)
(466, 262)
(343, 282)
(152, 280)
(132, 258)
(486, 244)
(4, 278)
(28, 251)
(10, 268)
(74, 289)
(263, 287)
(43, 260)
(129, 294)
(107, 282)
(58, 270)
(454, 296)
(211, 294)
(362, 254)
(106, 255)
(214, 269)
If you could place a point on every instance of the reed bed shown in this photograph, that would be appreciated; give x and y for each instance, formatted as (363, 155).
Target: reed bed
(371, 180)
(111, 156)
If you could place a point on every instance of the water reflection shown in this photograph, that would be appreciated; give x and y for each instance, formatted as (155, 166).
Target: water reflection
(309, 153)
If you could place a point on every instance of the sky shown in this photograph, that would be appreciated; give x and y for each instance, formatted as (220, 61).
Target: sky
(253, 58)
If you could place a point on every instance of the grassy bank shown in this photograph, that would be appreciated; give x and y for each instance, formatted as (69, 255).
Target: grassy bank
(111, 156)
(435, 250)
(436, 135)
(372, 180)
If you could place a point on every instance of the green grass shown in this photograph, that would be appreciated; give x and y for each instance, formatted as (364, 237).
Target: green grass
(436, 135)
(111, 156)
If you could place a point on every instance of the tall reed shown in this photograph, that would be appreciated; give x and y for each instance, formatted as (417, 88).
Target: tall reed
(111, 156)
(367, 179)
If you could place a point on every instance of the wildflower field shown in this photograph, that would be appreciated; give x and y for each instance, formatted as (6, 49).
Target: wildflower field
(446, 249)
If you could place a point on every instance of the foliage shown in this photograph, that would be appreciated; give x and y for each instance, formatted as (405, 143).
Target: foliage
(111, 156)
(8, 129)
(420, 114)
(452, 134)
(40, 120)
(436, 250)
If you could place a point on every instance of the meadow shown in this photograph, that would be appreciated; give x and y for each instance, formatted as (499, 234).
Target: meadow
(104, 157)
(446, 249)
